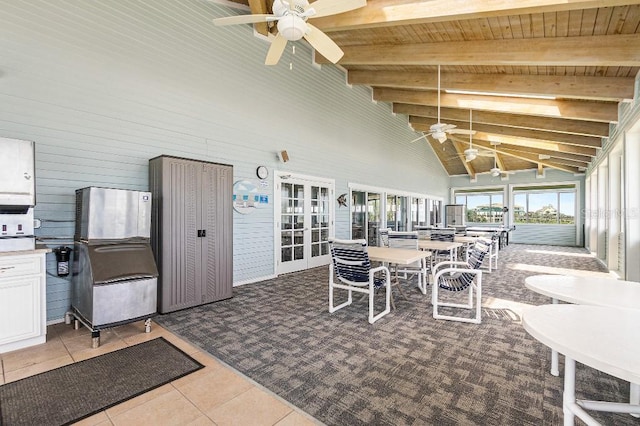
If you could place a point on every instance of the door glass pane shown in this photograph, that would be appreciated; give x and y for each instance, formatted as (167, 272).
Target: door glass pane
(358, 215)
(291, 217)
(373, 218)
(319, 219)
(567, 207)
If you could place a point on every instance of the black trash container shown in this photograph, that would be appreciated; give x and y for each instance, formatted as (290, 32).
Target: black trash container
(62, 257)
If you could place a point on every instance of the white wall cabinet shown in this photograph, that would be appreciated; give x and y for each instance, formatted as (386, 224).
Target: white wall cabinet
(22, 299)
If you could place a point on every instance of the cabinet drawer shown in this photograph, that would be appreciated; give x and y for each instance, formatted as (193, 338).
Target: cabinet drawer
(12, 266)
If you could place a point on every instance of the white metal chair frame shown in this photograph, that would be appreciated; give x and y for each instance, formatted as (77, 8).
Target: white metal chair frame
(492, 256)
(352, 268)
(469, 277)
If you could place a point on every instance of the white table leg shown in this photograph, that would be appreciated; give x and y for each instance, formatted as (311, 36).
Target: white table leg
(634, 395)
(555, 371)
(569, 393)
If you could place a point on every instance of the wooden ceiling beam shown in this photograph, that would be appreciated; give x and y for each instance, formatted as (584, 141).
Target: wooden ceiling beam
(580, 87)
(579, 140)
(260, 7)
(561, 157)
(527, 157)
(602, 50)
(460, 147)
(571, 109)
(560, 125)
(526, 143)
(382, 13)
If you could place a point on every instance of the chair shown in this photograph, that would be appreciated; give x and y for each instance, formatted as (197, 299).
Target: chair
(409, 241)
(493, 244)
(459, 276)
(442, 234)
(351, 270)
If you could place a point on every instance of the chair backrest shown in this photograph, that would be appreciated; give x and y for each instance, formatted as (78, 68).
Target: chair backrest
(444, 234)
(405, 240)
(350, 259)
(383, 235)
(463, 280)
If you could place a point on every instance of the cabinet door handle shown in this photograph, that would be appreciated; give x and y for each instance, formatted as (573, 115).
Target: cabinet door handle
(6, 268)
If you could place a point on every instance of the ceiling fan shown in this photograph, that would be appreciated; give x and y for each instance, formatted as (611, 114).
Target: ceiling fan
(495, 171)
(292, 25)
(440, 130)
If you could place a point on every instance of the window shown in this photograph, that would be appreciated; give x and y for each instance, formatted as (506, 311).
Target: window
(482, 206)
(545, 205)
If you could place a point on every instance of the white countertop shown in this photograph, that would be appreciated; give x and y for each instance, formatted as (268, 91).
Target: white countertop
(39, 249)
(604, 338)
(587, 290)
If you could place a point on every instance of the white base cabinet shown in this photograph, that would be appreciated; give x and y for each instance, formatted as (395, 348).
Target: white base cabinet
(22, 299)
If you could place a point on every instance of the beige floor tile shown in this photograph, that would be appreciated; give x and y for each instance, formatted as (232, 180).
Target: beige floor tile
(201, 421)
(254, 407)
(157, 331)
(66, 331)
(26, 357)
(100, 419)
(214, 389)
(81, 342)
(101, 350)
(41, 367)
(139, 400)
(297, 419)
(171, 408)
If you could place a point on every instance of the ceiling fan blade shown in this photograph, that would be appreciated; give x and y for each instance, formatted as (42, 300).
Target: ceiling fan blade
(278, 45)
(323, 44)
(333, 7)
(244, 19)
(417, 139)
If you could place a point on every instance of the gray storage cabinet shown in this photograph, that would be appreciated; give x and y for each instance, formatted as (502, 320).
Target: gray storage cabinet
(454, 215)
(191, 231)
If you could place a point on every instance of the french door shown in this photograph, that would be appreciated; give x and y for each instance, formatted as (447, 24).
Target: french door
(304, 222)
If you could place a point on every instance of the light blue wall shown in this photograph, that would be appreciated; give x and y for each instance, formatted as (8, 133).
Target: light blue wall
(101, 87)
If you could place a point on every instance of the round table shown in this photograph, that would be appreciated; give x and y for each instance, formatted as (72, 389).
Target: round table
(604, 338)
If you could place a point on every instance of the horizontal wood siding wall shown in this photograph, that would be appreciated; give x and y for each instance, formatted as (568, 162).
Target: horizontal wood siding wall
(557, 235)
(101, 87)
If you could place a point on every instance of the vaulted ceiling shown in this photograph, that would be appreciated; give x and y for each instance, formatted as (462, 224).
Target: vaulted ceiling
(543, 78)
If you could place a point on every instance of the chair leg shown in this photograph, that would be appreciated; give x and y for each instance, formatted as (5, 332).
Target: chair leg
(388, 300)
(332, 307)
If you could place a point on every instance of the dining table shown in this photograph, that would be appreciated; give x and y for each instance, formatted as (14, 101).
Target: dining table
(607, 292)
(398, 256)
(440, 246)
(602, 337)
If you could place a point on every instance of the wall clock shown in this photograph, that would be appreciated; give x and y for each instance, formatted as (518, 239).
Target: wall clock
(262, 172)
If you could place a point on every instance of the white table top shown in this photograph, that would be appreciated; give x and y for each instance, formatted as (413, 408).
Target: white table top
(438, 245)
(465, 239)
(587, 290)
(604, 338)
(396, 256)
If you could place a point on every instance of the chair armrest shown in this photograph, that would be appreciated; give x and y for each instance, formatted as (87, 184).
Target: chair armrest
(448, 262)
(437, 275)
(378, 269)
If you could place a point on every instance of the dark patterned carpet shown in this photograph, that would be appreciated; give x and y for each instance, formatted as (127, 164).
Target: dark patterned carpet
(407, 368)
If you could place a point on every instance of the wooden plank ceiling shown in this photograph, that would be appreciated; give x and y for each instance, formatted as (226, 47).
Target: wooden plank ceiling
(542, 77)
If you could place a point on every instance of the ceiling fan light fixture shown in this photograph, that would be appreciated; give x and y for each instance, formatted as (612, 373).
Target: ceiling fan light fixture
(292, 27)
(495, 172)
(440, 136)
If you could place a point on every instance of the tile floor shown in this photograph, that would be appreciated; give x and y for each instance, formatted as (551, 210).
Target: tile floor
(214, 395)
